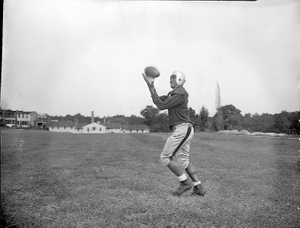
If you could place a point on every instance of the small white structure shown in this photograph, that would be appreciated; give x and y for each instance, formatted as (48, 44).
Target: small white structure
(78, 128)
(113, 128)
(135, 129)
(61, 126)
(93, 128)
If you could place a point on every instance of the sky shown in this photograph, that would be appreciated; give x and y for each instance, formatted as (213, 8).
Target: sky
(66, 57)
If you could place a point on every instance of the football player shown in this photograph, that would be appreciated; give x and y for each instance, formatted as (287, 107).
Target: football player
(175, 154)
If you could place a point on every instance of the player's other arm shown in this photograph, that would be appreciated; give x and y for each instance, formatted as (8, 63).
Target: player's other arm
(155, 98)
(170, 102)
(152, 89)
(149, 84)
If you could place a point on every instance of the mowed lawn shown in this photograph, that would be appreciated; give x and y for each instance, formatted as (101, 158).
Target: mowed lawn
(116, 180)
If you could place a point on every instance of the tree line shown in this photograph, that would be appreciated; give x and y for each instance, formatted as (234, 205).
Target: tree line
(132, 120)
(227, 117)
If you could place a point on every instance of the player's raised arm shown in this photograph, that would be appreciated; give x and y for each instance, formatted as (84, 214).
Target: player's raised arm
(149, 75)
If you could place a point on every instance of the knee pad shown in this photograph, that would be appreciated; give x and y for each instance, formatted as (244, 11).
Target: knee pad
(165, 160)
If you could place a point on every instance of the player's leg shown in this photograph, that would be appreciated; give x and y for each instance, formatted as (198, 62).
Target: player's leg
(168, 158)
(184, 183)
(182, 177)
(198, 188)
(189, 168)
(191, 171)
(174, 167)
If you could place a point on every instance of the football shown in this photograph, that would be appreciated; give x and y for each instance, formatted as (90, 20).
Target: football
(151, 72)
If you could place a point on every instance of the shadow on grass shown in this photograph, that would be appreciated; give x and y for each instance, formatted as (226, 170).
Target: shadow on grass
(3, 217)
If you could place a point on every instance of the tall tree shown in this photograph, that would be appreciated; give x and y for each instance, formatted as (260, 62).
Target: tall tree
(294, 118)
(136, 120)
(149, 113)
(247, 122)
(278, 123)
(161, 123)
(232, 117)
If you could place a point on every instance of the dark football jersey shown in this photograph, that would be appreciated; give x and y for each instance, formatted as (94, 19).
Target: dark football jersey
(177, 104)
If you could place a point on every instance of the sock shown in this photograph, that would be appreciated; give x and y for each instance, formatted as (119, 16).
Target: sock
(196, 183)
(183, 177)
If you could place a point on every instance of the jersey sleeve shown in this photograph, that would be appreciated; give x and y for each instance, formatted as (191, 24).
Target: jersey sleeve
(173, 100)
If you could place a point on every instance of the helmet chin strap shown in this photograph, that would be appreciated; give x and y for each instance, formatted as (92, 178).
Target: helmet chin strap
(176, 86)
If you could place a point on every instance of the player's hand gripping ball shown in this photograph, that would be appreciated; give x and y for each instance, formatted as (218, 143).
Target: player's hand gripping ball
(151, 72)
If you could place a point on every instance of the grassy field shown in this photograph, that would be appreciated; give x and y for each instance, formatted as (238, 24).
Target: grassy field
(116, 180)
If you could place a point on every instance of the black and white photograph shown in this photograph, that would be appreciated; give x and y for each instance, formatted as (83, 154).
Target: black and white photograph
(150, 114)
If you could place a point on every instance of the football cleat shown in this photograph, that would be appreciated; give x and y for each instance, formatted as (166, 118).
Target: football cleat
(182, 189)
(199, 190)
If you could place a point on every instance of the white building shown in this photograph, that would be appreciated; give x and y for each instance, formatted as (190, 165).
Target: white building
(20, 119)
(135, 129)
(95, 128)
(62, 126)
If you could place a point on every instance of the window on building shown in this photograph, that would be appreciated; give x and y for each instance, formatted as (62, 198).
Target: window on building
(64, 127)
(94, 128)
(88, 129)
(100, 129)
